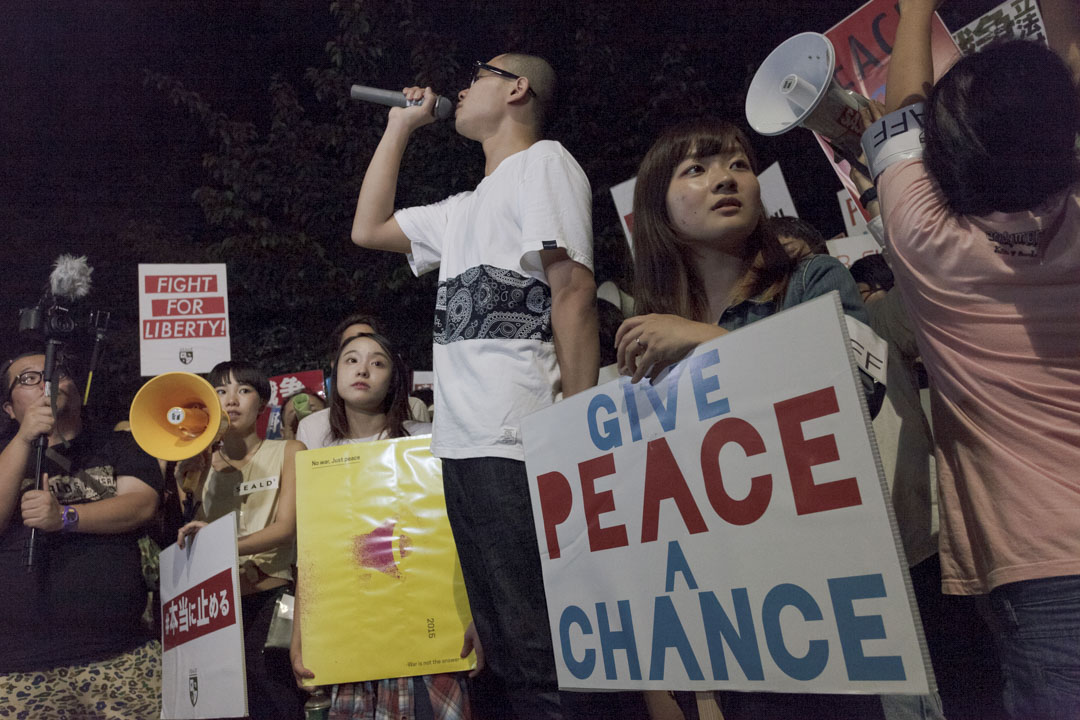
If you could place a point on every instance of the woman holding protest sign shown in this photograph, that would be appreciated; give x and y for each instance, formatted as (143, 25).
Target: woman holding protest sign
(980, 203)
(254, 478)
(369, 401)
(708, 262)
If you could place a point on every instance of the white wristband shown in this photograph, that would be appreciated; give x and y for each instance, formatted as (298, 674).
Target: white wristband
(895, 137)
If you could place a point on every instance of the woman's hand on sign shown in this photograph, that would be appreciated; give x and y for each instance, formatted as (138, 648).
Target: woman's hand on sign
(188, 531)
(472, 642)
(649, 343)
(296, 657)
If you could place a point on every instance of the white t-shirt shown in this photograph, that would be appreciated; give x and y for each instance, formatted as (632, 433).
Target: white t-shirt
(494, 355)
(314, 431)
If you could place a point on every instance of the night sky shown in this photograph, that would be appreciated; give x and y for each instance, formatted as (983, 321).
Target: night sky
(88, 150)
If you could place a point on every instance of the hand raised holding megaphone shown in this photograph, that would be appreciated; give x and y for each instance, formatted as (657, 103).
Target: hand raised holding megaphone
(794, 87)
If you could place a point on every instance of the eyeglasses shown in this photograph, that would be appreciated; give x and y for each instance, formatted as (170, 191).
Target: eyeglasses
(31, 378)
(506, 74)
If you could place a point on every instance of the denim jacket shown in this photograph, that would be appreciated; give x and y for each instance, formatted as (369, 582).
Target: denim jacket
(813, 276)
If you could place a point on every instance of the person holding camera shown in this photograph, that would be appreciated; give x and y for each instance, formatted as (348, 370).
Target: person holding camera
(74, 641)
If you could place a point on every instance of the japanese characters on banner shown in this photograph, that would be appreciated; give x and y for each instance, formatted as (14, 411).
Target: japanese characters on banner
(727, 527)
(383, 592)
(863, 42)
(183, 318)
(774, 195)
(1015, 19)
(202, 635)
(282, 387)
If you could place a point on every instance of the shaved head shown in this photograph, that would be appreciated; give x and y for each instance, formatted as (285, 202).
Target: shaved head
(540, 75)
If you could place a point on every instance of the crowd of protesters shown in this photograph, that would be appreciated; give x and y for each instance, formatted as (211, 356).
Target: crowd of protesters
(977, 293)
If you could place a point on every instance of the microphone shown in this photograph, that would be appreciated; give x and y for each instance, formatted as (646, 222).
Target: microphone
(70, 277)
(444, 108)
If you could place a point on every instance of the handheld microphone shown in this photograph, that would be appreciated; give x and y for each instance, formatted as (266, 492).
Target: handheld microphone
(444, 108)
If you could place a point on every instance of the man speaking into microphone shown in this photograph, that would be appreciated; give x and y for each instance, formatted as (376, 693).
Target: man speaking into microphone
(515, 324)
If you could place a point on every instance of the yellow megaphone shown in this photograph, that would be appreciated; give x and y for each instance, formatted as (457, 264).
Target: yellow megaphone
(176, 416)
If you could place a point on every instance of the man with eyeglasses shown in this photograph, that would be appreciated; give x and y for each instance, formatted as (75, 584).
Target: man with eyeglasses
(515, 322)
(74, 644)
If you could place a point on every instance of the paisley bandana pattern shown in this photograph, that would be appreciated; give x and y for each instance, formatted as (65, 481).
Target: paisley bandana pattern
(490, 303)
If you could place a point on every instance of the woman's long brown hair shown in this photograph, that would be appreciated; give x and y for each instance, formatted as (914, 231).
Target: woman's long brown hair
(395, 404)
(665, 278)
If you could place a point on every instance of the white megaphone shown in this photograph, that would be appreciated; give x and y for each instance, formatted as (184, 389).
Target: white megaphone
(795, 87)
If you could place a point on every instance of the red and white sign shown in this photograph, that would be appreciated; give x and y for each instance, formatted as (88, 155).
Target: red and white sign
(183, 318)
(727, 527)
(854, 220)
(863, 42)
(623, 195)
(202, 634)
(283, 387)
(849, 249)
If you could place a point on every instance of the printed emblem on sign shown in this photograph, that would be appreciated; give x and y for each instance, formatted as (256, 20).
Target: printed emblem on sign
(193, 687)
(187, 355)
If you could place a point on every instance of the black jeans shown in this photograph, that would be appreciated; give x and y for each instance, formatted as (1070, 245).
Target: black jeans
(487, 500)
(272, 691)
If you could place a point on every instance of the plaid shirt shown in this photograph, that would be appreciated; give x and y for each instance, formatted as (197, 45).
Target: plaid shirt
(392, 699)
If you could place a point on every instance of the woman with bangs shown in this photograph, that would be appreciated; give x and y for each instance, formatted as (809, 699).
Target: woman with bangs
(256, 478)
(369, 400)
(707, 262)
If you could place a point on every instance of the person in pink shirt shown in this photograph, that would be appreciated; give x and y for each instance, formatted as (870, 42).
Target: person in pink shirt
(984, 236)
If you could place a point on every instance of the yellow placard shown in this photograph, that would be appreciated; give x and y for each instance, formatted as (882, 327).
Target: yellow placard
(381, 585)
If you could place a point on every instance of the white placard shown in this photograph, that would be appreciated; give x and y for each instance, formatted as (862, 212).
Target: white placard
(727, 528)
(854, 222)
(849, 249)
(623, 195)
(1015, 19)
(183, 318)
(423, 379)
(870, 351)
(775, 194)
(202, 633)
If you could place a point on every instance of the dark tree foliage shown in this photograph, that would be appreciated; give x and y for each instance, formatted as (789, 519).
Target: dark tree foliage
(280, 191)
(280, 194)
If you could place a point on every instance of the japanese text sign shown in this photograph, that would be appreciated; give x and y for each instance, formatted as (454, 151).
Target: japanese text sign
(202, 661)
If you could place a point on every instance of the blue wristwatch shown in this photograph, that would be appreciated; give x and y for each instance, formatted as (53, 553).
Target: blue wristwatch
(70, 517)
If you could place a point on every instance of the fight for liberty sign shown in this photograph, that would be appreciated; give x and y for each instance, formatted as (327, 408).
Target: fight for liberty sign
(726, 527)
(183, 318)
